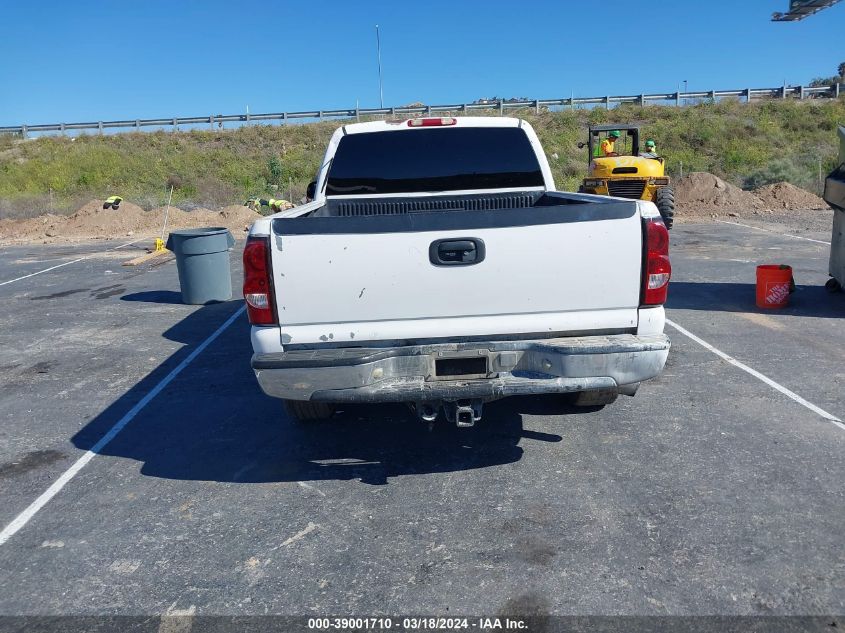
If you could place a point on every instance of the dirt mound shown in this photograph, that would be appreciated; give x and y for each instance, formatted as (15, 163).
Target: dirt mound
(704, 191)
(237, 214)
(236, 218)
(91, 221)
(237, 210)
(95, 208)
(172, 211)
(31, 228)
(784, 195)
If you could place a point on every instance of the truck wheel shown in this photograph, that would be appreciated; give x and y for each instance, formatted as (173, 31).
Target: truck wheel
(305, 411)
(596, 397)
(833, 285)
(665, 201)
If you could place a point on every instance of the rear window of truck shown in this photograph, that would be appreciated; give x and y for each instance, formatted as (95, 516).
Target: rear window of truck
(444, 159)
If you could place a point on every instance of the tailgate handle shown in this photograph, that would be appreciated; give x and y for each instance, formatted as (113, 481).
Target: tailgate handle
(462, 251)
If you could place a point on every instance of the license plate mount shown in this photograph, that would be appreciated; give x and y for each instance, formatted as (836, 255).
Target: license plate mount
(461, 367)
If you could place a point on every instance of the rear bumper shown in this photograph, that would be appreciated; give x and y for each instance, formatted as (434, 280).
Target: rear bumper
(408, 373)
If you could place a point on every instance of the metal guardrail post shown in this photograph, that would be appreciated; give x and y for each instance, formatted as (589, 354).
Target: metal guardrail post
(783, 92)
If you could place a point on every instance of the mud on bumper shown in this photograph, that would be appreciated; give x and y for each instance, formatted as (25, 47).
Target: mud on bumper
(488, 370)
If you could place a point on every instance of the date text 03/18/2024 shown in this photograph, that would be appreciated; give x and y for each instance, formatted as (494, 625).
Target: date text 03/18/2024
(417, 624)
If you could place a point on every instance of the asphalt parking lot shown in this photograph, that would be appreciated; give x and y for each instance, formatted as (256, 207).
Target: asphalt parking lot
(710, 492)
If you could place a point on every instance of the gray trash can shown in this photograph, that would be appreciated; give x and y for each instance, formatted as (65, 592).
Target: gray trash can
(202, 258)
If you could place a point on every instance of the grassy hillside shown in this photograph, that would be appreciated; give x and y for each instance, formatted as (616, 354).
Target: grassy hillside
(747, 144)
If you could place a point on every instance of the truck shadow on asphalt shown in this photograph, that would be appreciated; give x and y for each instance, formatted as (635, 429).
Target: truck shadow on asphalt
(813, 301)
(213, 423)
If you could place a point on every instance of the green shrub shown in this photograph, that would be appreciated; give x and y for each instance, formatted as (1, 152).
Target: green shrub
(800, 171)
(747, 144)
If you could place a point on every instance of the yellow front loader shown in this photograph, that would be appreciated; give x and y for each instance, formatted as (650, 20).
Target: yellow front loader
(626, 173)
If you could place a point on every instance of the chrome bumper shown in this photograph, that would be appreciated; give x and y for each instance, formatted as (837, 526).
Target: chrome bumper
(404, 374)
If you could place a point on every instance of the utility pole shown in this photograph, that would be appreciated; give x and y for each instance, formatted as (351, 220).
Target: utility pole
(380, 85)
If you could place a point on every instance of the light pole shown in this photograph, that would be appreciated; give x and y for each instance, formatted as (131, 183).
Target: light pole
(380, 86)
(685, 91)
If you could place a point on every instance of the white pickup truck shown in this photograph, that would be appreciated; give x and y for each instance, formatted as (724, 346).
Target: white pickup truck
(438, 266)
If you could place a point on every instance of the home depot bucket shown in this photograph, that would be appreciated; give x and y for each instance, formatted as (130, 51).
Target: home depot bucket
(773, 285)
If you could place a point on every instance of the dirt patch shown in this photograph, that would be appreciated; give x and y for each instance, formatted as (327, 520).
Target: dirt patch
(704, 196)
(30, 461)
(91, 221)
(702, 193)
(783, 195)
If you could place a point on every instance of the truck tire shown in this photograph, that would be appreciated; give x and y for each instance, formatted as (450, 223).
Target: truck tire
(665, 201)
(596, 397)
(304, 411)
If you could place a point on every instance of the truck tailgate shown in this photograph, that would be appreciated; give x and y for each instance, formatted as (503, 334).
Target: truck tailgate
(566, 269)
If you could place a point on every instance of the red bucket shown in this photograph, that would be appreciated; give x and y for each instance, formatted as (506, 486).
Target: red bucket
(774, 283)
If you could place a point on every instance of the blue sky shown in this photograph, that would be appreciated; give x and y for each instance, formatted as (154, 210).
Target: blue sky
(95, 60)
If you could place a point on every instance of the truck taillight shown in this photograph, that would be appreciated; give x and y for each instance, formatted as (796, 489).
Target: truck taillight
(656, 267)
(432, 122)
(258, 282)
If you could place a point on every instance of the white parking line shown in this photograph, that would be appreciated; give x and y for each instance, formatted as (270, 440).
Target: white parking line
(797, 237)
(46, 270)
(24, 517)
(817, 410)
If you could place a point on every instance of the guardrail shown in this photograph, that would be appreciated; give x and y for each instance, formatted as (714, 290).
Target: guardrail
(784, 92)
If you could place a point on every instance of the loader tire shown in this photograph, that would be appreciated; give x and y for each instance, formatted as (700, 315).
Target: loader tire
(304, 411)
(665, 201)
